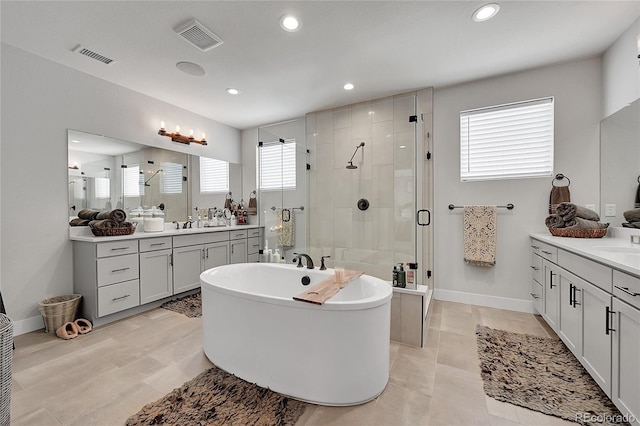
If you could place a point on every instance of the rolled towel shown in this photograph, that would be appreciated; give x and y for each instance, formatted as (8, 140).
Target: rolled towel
(554, 221)
(631, 225)
(632, 215)
(79, 222)
(88, 214)
(587, 224)
(116, 214)
(569, 211)
(104, 224)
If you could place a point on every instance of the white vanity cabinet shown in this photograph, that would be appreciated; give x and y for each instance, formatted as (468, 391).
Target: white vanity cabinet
(156, 269)
(551, 291)
(107, 276)
(194, 253)
(238, 246)
(626, 356)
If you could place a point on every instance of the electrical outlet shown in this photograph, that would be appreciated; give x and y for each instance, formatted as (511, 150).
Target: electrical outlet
(591, 206)
(610, 210)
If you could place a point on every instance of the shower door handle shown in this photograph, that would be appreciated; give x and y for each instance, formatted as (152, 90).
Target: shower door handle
(428, 217)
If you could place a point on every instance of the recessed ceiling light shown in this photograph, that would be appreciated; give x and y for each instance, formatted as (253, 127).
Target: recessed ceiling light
(289, 23)
(233, 91)
(191, 68)
(486, 12)
(348, 86)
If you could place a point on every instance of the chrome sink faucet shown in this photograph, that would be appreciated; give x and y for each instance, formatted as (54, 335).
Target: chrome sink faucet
(299, 256)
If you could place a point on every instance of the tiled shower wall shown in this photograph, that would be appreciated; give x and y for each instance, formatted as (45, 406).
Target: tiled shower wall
(375, 239)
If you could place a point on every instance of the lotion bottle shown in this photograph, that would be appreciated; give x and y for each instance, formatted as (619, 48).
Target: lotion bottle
(402, 276)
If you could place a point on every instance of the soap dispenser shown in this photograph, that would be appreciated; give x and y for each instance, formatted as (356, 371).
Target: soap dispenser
(395, 276)
(402, 276)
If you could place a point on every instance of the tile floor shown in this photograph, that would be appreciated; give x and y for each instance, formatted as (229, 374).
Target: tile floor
(103, 377)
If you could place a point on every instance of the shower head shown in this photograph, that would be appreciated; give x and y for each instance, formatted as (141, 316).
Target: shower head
(351, 166)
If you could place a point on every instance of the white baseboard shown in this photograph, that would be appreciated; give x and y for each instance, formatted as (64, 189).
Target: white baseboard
(27, 325)
(485, 300)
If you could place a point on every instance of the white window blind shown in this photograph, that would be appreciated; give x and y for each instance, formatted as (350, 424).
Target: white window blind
(507, 141)
(214, 175)
(102, 188)
(171, 178)
(278, 166)
(132, 181)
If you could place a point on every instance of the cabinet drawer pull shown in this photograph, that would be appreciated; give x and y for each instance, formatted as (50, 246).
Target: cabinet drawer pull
(157, 244)
(551, 284)
(535, 268)
(571, 293)
(256, 245)
(120, 270)
(535, 247)
(120, 298)
(535, 296)
(626, 290)
(239, 235)
(547, 252)
(119, 248)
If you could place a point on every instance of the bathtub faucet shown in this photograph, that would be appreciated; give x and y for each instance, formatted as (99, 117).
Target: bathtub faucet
(299, 257)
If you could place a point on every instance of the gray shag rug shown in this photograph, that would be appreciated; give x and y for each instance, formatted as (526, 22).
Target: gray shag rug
(190, 306)
(216, 397)
(541, 374)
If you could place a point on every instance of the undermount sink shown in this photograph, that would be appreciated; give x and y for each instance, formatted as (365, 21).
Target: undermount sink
(630, 250)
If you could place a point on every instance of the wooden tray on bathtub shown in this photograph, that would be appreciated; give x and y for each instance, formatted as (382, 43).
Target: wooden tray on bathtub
(326, 289)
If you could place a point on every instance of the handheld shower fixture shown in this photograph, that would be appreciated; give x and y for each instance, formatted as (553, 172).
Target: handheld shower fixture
(351, 166)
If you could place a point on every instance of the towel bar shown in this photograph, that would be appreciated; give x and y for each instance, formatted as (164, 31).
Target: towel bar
(292, 208)
(508, 206)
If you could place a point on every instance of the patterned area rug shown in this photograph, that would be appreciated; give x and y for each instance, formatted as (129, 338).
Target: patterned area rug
(218, 398)
(190, 305)
(541, 374)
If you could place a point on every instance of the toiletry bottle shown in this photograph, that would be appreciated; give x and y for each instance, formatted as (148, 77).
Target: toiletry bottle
(402, 276)
(275, 257)
(395, 276)
(411, 274)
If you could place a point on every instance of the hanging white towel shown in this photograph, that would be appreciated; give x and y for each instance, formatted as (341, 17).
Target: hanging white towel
(285, 236)
(480, 235)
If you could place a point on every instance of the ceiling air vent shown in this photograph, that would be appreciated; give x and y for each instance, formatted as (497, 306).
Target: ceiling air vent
(198, 35)
(93, 55)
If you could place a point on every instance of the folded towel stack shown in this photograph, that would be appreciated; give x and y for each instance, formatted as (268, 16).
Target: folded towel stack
(572, 216)
(633, 218)
(115, 218)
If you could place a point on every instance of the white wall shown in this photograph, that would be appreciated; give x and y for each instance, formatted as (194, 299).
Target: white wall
(41, 99)
(576, 87)
(621, 70)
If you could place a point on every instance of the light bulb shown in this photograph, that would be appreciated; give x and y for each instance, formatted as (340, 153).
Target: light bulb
(203, 136)
(177, 129)
(162, 125)
(191, 132)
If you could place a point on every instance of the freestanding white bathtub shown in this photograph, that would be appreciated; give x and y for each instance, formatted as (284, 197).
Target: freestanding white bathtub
(331, 354)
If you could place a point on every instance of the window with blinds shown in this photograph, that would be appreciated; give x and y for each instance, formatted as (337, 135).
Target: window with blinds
(102, 188)
(132, 181)
(507, 141)
(278, 166)
(214, 176)
(171, 178)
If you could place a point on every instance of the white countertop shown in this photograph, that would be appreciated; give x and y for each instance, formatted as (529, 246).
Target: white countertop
(83, 233)
(614, 250)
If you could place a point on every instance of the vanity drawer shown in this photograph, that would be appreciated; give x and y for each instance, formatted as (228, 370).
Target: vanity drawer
(591, 271)
(116, 248)
(255, 232)
(536, 267)
(537, 296)
(544, 250)
(627, 288)
(150, 244)
(253, 258)
(118, 297)
(253, 245)
(201, 238)
(113, 270)
(237, 235)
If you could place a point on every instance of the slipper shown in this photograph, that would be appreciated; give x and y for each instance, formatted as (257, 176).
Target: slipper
(67, 331)
(83, 325)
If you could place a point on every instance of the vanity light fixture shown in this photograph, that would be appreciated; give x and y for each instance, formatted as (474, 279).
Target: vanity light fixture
(486, 12)
(177, 137)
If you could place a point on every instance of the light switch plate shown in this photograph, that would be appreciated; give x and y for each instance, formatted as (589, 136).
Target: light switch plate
(610, 210)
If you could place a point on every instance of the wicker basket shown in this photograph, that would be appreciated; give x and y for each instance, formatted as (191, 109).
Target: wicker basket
(578, 233)
(6, 359)
(113, 232)
(56, 311)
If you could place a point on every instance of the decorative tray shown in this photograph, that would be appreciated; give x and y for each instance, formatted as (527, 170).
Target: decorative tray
(578, 233)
